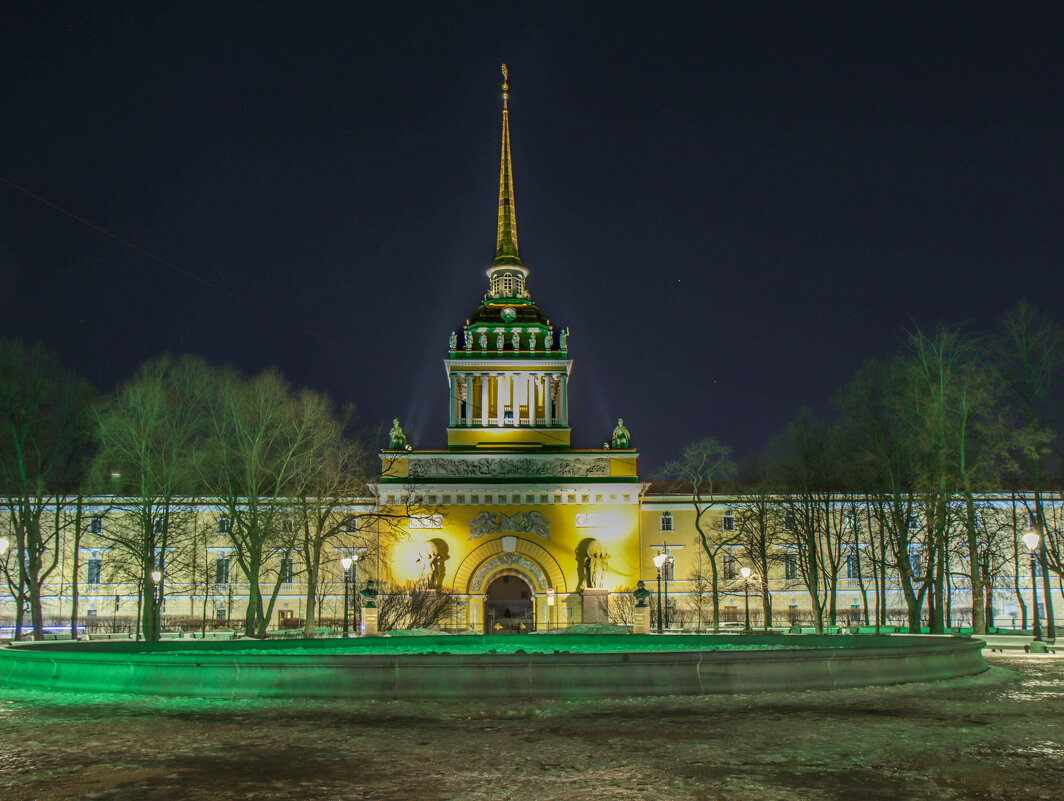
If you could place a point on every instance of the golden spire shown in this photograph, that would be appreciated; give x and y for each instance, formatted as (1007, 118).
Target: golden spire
(506, 248)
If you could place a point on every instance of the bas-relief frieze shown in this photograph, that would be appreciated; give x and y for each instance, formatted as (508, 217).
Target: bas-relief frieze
(494, 466)
(488, 523)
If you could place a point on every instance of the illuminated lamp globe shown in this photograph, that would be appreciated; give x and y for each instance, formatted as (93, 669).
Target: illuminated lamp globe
(346, 562)
(156, 576)
(659, 560)
(1031, 539)
(746, 572)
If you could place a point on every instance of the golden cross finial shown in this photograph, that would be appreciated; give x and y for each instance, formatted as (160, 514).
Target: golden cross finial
(505, 86)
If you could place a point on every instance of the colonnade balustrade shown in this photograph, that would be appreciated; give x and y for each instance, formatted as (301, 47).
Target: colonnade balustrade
(542, 396)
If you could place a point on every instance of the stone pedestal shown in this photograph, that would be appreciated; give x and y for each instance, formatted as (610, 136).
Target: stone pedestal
(369, 621)
(595, 606)
(642, 620)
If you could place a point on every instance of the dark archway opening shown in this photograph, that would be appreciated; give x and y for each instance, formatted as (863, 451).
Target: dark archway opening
(508, 606)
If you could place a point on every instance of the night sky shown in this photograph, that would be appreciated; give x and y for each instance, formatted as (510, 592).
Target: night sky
(730, 209)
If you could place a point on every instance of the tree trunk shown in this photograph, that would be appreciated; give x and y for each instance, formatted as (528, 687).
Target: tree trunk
(975, 572)
(74, 570)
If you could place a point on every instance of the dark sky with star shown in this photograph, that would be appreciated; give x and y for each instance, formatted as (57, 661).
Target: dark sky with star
(730, 208)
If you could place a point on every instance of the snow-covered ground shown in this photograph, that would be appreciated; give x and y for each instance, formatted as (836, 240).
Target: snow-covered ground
(999, 735)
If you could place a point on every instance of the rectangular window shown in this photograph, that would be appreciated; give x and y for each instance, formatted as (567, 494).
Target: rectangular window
(849, 521)
(447, 500)
(221, 570)
(666, 521)
(729, 567)
(432, 499)
(459, 498)
(418, 500)
(613, 498)
(1032, 519)
(92, 575)
(219, 614)
(585, 499)
(790, 566)
(727, 522)
(96, 525)
(598, 499)
(668, 569)
(530, 499)
(790, 523)
(852, 568)
(914, 521)
(426, 521)
(474, 499)
(223, 525)
(288, 569)
(571, 499)
(543, 499)
(916, 562)
(515, 498)
(627, 498)
(158, 525)
(489, 499)
(557, 498)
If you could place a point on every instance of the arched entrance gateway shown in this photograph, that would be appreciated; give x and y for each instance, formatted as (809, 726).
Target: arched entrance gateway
(508, 606)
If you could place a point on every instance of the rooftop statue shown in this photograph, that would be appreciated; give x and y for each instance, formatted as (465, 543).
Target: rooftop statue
(621, 438)
(396, 437)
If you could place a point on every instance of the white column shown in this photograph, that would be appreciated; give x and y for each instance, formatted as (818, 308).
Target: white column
(484, 399)
(563, 399)
(548, 400)
(468, 399)
(499, 404)
(530, 393)
(455, 400)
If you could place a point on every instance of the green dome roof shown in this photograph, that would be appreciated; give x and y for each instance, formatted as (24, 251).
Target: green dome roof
(490, 314)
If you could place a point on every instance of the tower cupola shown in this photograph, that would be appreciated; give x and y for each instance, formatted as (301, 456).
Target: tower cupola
(509, 368)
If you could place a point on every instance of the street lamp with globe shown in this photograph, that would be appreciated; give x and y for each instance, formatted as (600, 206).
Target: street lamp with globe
(156, 591)
(746, 598)
(346, 562)
(659, 560)
(1032, 540)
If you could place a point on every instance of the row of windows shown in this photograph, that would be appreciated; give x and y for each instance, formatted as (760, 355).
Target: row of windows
(506, 498)
(94, 570)
(223, 525)
(790, 521)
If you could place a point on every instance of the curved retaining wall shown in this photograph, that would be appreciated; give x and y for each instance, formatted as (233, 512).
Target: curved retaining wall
(229, 670)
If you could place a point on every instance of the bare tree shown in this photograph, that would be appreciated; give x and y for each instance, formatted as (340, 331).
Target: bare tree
(262, 437)
(700, 466)
(760, 532)
(45, 440)
(1030, 363)
(149, 429)
(416, 606)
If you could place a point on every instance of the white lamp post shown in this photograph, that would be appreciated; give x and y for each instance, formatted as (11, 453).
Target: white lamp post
(346, 561)
(659, 560)
(156, 577)
(746, 598)
(1032, 540)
